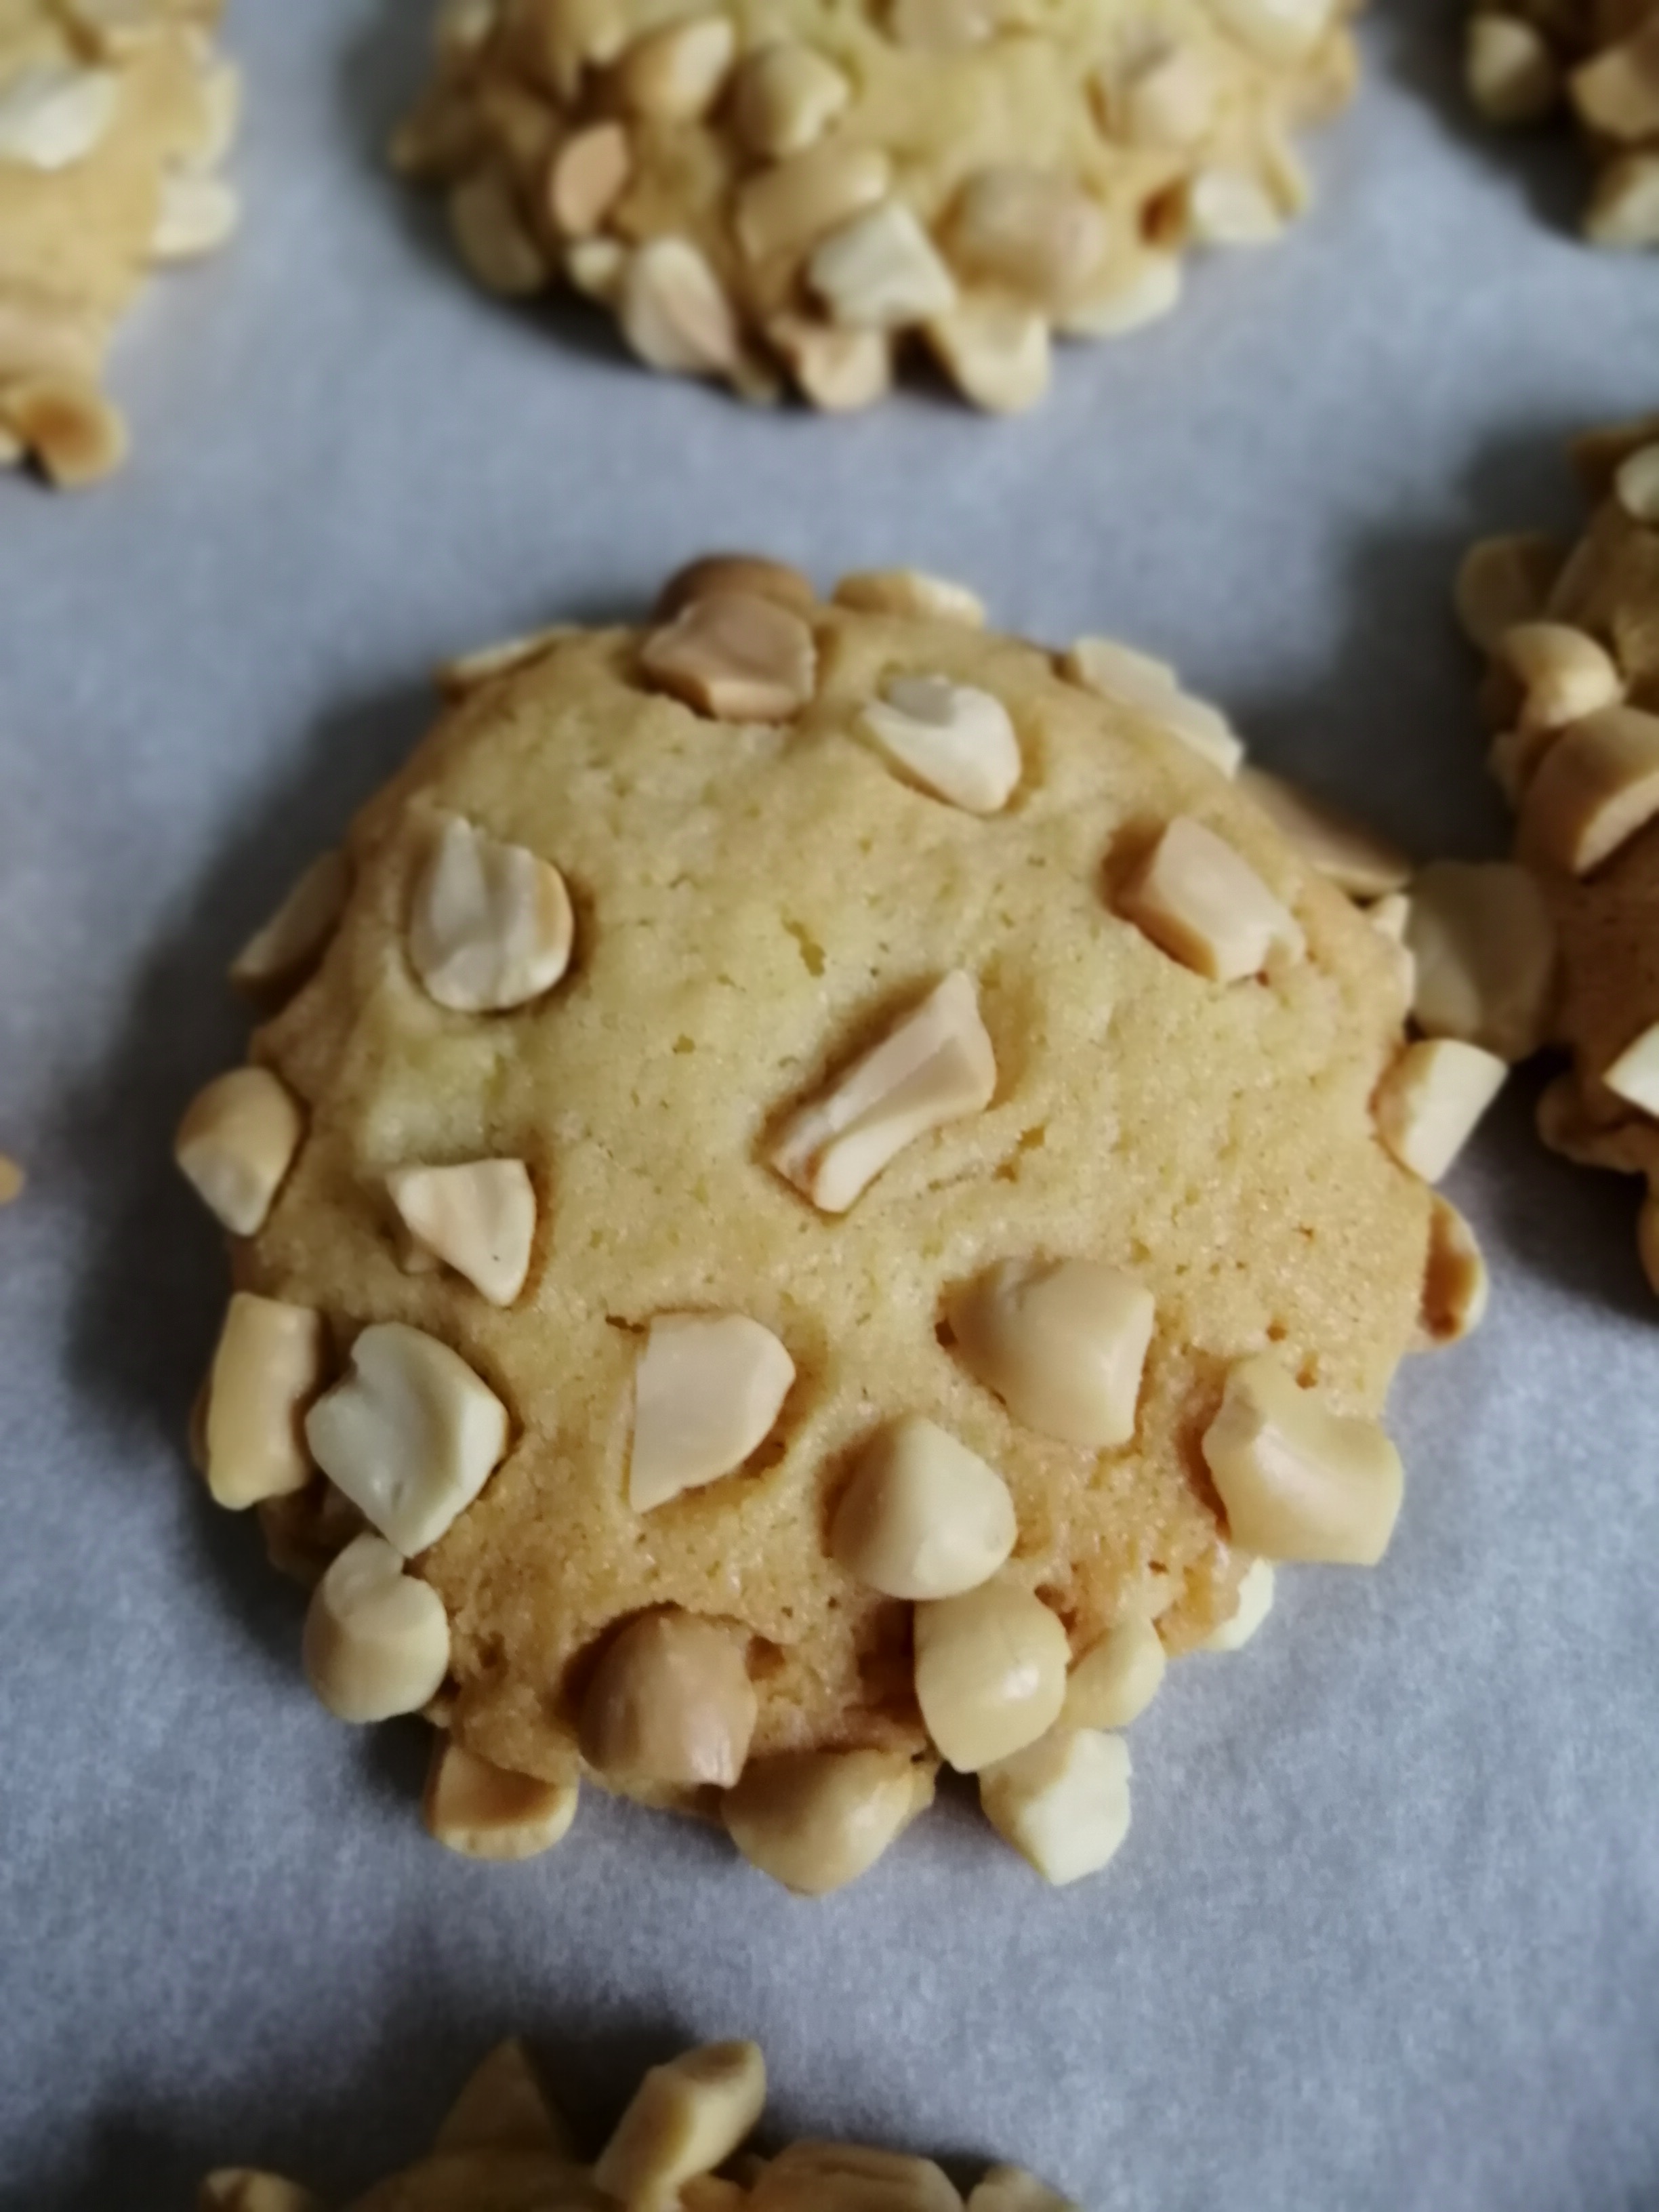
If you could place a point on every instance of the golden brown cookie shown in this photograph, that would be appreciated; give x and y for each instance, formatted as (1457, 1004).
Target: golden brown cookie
(114, 115)
(1526, 59)
(815, 1167)
(679, 2147)
(780, 191)
(1572, 692)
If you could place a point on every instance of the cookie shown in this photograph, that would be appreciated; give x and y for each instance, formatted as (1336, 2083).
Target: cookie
(1571, 637)
(799, 192)
(505, 2146)
(114, 115)
(1525, 60)
(815, 1167)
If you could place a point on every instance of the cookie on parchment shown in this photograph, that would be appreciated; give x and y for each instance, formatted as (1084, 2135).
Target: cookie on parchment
(114, 116)
(823, 1182)
(780, 190)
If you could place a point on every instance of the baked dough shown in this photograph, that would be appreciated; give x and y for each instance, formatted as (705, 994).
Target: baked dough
(780, 189)
(113, 115)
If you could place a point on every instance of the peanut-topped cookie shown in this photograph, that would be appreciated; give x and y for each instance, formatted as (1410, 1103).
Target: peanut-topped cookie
(779, 190)
(821, 1184)
(1573, 692)
(114, 115)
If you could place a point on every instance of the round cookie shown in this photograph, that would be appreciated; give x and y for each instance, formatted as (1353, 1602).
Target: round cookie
(778, 190)
(1572, 690)
(113, 115)
(809, 1151)
(1525, 59)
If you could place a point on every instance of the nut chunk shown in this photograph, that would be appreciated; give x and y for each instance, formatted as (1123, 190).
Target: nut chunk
(826, 2176)
(990, 1674)
(686, 2118)
(503, 2107)
(1634, 1076)
(735, 656)
(1116, 1679)
(1430, 1100)
(923, 1517)
(412, 1435)
(670, 1704)
(934, 1066)
(816, 1819)
(1484, 945)
(1207, 908)
(1062, 1345)
(491, 925)
(267, 1370)
(1011, 2189)
(707, 1391)
(484, 1813)
(478, 1217)
(376, 1640)
(956, 742)
(292, 941)
(239, 2189)
(1299, 1481)
(236, 1143)
(1063, 1803)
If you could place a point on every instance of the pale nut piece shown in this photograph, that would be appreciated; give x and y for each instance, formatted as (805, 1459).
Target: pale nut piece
(1564, 674)
(1595, 788)
(735, 656)
(1280, 31)
(1011, 2189)
(1504, 582)
(708, 1389)
(412, 1435)
(1035, 235)
(493, 239)
(1624, 209)
(933, 1066)
(1455, 1284)
(923, 1517)
(1428, 1103)
(1063, 1803)
(1483, 940)
(1130, 291)
(68, 425)
(1510, 70)
(990, 1673)
(467, 672)
(785, 98)
(1299, 1481)
(289, 944)
(956, 741)
(1256, 1590)
(1062, 1343)
(1616, 92)
(491, 926)
(195, 216)
(1115, 1680)
(1343, 850)
(913, 592)
(1636, 484)
(478, 1217)
(267, 1368)
(670, 1706)
(236, 1144)
(839, 371)
(1116, 671)
(504, 2107)
(750, 574)
(462, 28)
(1168, 99)
(242, 2189)
(376, 1640)
(55, 114)
(785, 208)
(685, 2119)
(594, 267)
(941, 27)
(586, 178)
(997, 354)
(674, 312)
(1634, 1076)
(881, 272)
(1205, 905)
(483, 1812)
(1223, 206)
(1628, 1146)
(833, 2177)
(674, 74)
(815, 1820)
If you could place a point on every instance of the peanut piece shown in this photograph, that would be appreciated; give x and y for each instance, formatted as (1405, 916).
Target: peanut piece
(1564, 674)
(670, 1706)
(881, 272)
(1132, 289)
(825, 2176)
(1502, 582)
(1616, 94)
(686, 2118)
(1063, 1345)
(674, 312)
(1029, 232)
(1428, 1103)
(1455, 1285)
(910, 592)
(1299, 1481)
(1118, 672)
(586, 178)
(291, 943)
(478, 1217)
(195, 217)
(815, 1820)
(54, 114)
(1205, 905)
(736, 657)
(1510, 70)
(492, 237)
(1063, 1803)
(1280, 31)
(67, 424)
(707, 1391)
(376, 1640)
(1011, 2189)
(237, 1142)
(1634, 1076)
(1256, 1602)
(996, 355)
(838, 371)
(933, 1066)
(749, 573)
(675, 75)
(990, 1673)
(503, 2107)
(1595, 788)
(1624, 209)
(956, 741)
(1637, 486)
(1115, 1680)
(483, 1812)
(467, 672)
(491, 926)
(1484, 944)
(267, 1368)
(785, 98)
(923, 1517)
(785, 208)
(1167, 100)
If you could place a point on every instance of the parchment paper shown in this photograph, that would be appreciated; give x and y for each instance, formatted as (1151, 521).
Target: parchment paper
(1385, 1934)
